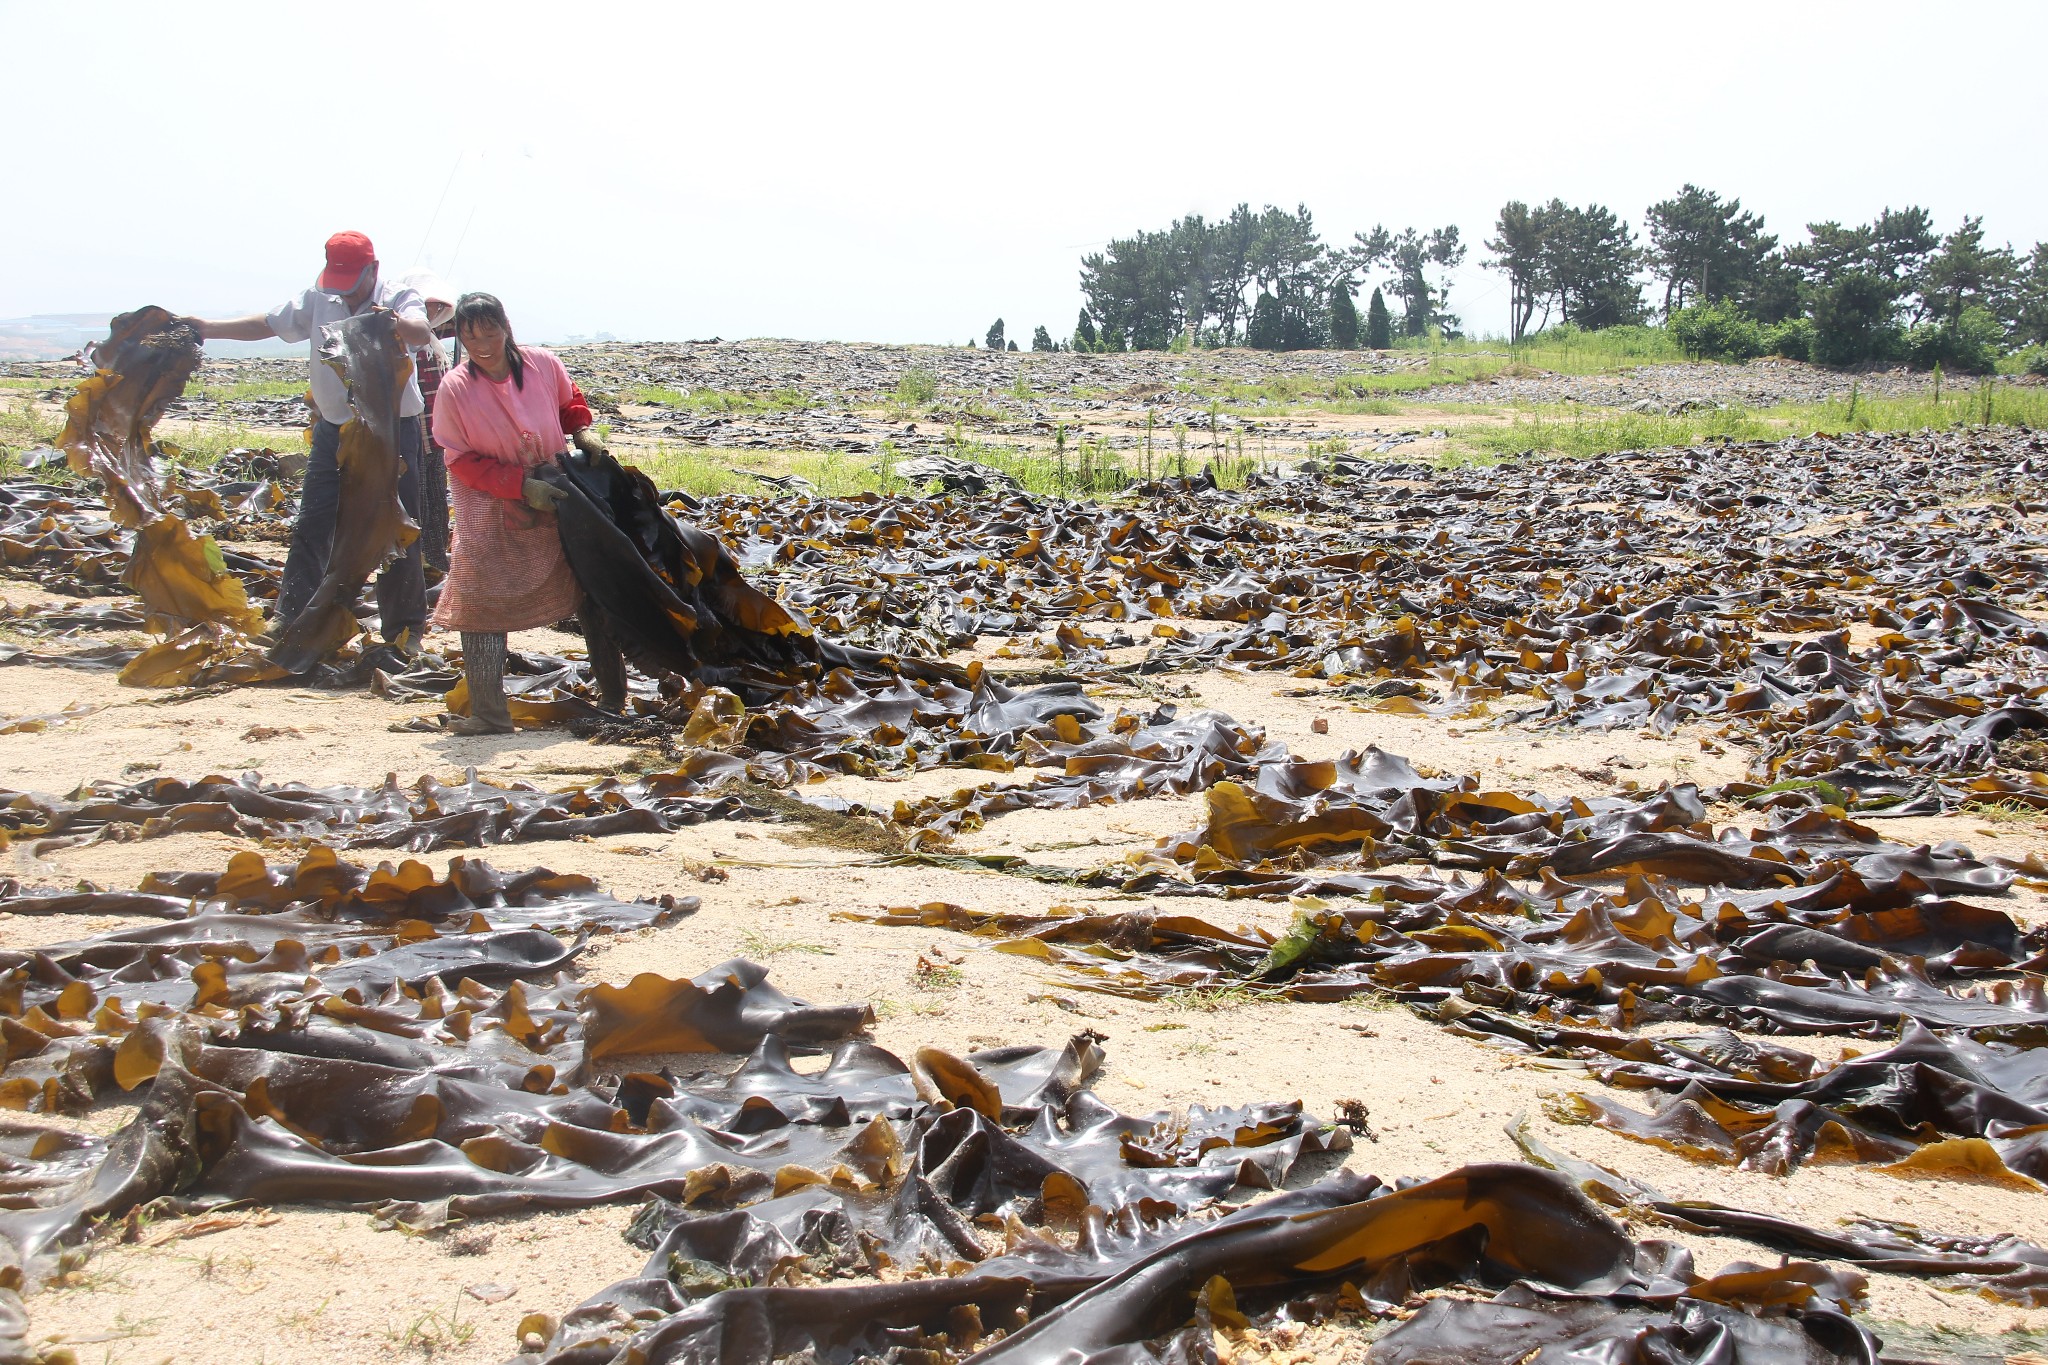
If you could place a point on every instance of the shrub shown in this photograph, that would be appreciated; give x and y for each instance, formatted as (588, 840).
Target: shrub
(1264, 332)
(1968, 347)
(1792, 339)
(916, 387)
(1379, 323)
(1852, 320)
(1084, 333)
(2030, 360)
(1716, 331)
(1343, 319)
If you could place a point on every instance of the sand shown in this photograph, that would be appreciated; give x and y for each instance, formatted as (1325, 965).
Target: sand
(303, 1285)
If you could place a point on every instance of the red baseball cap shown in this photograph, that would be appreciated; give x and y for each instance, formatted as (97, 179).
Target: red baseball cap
(349, 254)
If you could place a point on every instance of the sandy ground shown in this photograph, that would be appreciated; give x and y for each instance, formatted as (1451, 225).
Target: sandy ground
(293, 1285)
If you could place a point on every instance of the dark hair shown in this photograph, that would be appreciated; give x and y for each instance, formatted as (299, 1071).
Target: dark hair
(472, 309)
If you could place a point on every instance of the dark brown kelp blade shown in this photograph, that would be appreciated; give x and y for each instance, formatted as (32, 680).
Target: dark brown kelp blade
(371, 526)
(670, 594)
(1129, 1282)
(185, 586)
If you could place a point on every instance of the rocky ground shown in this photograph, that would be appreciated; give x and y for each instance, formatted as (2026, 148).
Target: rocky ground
(770, 397)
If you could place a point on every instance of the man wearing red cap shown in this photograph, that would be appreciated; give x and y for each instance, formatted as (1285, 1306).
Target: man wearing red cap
(348, 286)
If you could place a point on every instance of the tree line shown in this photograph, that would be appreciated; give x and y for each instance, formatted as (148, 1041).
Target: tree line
(1888, 290)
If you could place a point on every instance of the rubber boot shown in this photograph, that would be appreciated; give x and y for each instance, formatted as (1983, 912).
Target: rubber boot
(607, 664)
(483, 662)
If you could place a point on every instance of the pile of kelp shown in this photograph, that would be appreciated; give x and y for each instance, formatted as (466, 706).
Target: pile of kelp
(383, 1038)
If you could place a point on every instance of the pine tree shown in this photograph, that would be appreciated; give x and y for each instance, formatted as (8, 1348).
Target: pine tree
(1041, 340)
(994, 340)
(1264, 333)
(1379, 323)
(1013, 345)
(1084, 333)
(1343, 319)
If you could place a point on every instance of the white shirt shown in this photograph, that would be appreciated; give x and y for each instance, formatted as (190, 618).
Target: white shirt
(307, 317)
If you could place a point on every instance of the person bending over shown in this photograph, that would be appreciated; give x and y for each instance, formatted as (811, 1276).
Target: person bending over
(348, 285)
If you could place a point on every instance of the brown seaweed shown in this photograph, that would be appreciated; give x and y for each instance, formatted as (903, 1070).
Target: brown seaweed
(371, 525)
(187, 590)
(384, 1036)
(1129, 1281)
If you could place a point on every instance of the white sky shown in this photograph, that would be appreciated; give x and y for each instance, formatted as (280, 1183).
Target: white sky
(910, 172)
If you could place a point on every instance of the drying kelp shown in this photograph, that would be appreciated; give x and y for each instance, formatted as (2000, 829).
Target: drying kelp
(1301, 825)
(1649, 589)
(427, 815)
(676, 601)
(1933, 1103)
(2004, 1268)
(187, 591)
(1858, 610)
(1133, 1278)
(371, 524)
(331, 1032)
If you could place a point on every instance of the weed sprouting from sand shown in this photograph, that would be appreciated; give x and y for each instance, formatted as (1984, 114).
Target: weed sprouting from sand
(2005, 812)
(1209, 999)
(758, 945)
(886, 1007)
(929, 975)
(433, 1331)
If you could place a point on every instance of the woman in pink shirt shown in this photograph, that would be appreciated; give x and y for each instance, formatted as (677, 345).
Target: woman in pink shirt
(504, 411)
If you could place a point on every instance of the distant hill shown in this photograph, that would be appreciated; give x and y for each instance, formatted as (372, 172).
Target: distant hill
(53, 336)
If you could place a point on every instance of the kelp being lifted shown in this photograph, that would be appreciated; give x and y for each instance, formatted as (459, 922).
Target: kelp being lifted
(188, 588)
(371, 527)
(188, 592)
(669, 593)
(676, 601)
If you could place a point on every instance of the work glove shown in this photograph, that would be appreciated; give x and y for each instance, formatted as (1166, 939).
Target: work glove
(587, 442)
(540, 495)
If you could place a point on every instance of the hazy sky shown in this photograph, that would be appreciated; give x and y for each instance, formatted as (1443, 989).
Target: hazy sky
(910, 172)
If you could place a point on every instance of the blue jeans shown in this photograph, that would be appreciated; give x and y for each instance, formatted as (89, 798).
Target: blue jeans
(402, 587)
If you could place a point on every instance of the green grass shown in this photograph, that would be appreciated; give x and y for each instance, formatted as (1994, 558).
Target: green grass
(1573, 429)
(1570, 429)
(707, 471)
(1989, 403)
(202, 448)
(1086, 470)
(22, 428)
(718, 401)
(1559, 351)
(247, 388)
(757, 945)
